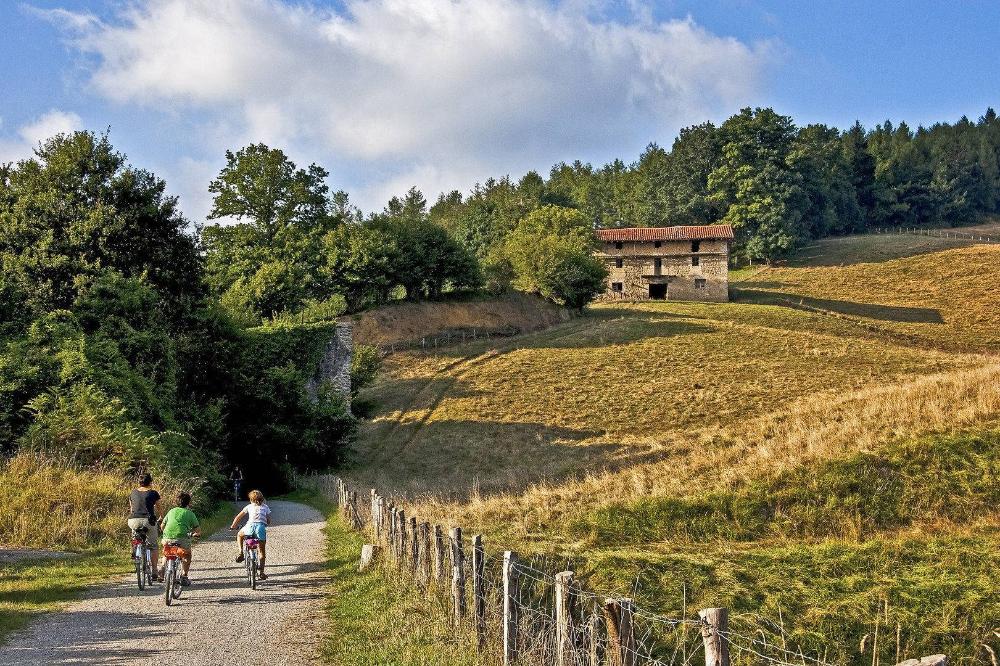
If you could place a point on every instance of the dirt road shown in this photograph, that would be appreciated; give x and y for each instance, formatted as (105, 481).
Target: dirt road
(218, 620)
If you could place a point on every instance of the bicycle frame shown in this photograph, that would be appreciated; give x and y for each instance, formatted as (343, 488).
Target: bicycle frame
(141, 556)
(171, 573)
(250, 554)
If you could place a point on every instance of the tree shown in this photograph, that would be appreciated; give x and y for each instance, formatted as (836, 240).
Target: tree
(261, 185)
(818, 156)
(362, 260)
(550, 254)
(283, 213)
(763, 197)
(430, 260)
(77, 209)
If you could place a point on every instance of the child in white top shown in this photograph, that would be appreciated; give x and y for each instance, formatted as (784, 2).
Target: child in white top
(258, 516)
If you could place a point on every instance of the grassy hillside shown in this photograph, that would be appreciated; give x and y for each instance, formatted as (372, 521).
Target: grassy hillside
(821, 447)
(409, 323)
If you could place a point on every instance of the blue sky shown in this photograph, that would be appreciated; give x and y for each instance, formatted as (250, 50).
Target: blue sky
(391, 93)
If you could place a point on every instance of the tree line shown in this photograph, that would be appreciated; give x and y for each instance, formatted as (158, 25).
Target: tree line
(296, 245)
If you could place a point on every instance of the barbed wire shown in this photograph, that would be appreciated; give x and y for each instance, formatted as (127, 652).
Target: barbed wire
(651, 638)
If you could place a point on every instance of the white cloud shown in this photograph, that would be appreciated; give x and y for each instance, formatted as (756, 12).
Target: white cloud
(31, 134)
(417, 86)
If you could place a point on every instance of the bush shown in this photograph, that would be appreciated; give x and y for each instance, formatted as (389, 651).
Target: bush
(549, 253)
(365, 365)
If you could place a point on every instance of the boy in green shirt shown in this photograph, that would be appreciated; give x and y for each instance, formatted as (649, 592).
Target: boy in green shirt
(177, 527)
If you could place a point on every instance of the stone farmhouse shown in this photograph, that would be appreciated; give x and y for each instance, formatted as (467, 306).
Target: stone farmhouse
(666, 263)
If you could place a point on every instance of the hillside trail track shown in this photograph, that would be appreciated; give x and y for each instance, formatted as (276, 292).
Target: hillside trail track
(432, 395)
(218, 620)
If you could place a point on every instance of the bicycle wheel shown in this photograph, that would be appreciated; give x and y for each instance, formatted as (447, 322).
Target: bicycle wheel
(253, 571)
(148, 567)
(168, 583)
(139, 574)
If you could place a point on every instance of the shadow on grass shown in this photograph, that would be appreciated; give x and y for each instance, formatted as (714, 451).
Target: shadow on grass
(867, 310)
(457, 459)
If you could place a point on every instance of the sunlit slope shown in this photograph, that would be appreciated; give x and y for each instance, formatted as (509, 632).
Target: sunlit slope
(657, 397)
(946, 299)
(824, 445)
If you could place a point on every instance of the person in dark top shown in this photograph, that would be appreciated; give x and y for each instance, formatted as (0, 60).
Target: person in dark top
(143, 504)
(237, 478)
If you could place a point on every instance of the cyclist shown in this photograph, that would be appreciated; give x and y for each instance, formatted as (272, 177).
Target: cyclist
(237, 478)
(258, 518)
(143, 504)
(179, 525)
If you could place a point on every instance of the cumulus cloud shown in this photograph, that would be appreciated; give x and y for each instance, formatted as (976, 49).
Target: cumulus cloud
(29, 135)
(417, 86)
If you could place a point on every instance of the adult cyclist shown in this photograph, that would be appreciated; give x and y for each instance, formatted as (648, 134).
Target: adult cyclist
(237, 478)
(143, 503)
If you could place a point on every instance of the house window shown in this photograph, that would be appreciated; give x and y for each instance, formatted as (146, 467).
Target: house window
(695, 246)
(657, 243)
(699, 283)
(696, 260)
(616, 287)
(619, 245)
(618, 262)
(657, 265)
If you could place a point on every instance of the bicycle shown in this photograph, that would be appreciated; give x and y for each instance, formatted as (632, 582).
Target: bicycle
(173, 553)
(250, 560)
(141, 558)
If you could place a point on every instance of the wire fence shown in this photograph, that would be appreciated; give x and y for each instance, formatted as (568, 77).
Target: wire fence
(513, 612)
(978, 237)
(448, 337)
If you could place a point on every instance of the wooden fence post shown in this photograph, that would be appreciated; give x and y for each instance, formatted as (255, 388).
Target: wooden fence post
(479, 589)
(564, 619)
(425, 554)
(594, 651)
(390, 525)
(457, 574)
(438, 554)
(374, 497)
(714, 626)
(414, 546)
(510, 618)
(621, 633)
(401, 541)
(369, 555)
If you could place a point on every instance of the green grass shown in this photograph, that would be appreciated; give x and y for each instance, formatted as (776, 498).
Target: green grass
(941, 590)
(375, 617)
(29, 588)
(934, 480)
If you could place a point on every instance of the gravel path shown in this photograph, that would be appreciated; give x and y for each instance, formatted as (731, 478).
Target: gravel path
(118, 624)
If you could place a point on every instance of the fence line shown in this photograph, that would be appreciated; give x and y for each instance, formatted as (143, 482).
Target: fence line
(936, 233)
(522, 615)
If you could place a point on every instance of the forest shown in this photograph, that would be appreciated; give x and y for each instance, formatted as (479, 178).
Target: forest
(134, 338)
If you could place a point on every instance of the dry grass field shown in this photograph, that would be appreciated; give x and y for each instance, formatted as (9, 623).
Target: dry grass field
(754, 453)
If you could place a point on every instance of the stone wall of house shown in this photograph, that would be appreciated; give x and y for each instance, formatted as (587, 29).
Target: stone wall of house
(335, 364)
(706, 281)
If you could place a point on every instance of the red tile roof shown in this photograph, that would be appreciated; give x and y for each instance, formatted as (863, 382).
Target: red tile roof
(640, 234)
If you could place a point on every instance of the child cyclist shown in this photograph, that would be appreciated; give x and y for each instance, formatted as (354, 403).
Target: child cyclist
(258, 516)
(178, 526)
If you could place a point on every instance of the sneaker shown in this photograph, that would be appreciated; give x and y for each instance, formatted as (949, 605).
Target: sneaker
(239, 558)
(262, 576)
(185, 581)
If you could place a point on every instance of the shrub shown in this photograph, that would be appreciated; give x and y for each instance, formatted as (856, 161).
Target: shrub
(365, 365)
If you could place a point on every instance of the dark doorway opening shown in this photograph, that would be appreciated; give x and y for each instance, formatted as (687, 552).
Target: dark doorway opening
(658, 292)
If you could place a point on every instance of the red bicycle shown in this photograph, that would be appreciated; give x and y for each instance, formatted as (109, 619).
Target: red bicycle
(173, 553)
